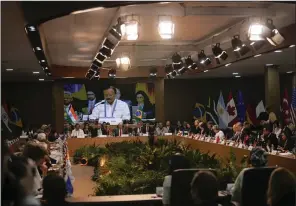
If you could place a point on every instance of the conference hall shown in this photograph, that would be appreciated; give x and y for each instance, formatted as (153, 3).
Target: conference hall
(148, 103)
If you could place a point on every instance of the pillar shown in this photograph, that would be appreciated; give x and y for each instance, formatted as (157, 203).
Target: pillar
(294, 80)
(58, 106)
(272, 88)
(159, 99)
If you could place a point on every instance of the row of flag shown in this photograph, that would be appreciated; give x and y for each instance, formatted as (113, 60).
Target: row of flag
(226, 115)
(11, 121)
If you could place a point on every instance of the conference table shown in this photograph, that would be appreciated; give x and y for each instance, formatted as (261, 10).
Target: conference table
(223, 151)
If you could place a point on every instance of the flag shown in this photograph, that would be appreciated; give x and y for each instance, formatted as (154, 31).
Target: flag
(286, 108)
(69, 178)
(293, 106)
(78, 91)
(70, 115)
(15, 117)
(199, 112)
(241, 109)
(222, 112)
(138, 115)
(231, 110)
(260, 108)
(210, 114)
(251, 115)
(5, 118)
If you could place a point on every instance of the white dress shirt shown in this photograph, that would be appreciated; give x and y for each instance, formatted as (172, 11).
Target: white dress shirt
(220, 134)
(77, 133)
(120, 108)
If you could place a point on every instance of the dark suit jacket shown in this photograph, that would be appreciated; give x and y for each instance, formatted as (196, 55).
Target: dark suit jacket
(116, 131)
(171, 129)
(271, 140)
(94, 132)
(288, 144)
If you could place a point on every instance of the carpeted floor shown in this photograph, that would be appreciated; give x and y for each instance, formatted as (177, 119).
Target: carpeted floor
(83, 185)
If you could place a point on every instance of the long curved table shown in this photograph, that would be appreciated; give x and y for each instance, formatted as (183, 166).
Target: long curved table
(222, 151)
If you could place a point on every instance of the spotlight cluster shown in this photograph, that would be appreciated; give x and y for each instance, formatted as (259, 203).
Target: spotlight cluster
(111, 41)
(35, 40)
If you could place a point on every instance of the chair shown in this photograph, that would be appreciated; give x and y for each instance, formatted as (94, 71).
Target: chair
(181, 188)
(254, 187)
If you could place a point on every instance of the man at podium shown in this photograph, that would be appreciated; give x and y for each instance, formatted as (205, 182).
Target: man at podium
(110, 107)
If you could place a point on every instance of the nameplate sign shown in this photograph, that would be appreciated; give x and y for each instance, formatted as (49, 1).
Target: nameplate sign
(231, 144)
(124, 135)
(112, 121)
(168, 134)
(250, 148)
(103, 136)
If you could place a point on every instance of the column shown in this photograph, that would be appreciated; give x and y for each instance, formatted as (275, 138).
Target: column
(159, 99)
(58, 106)
(272, 89)
(294, 80)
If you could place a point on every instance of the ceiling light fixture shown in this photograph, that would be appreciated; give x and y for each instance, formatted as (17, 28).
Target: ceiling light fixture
(41, 79)
(166, 27)
(87, 10)
(219, 53)
(289, 72)
(235, 73)
(268, 65)
(9, 70)
(293, 45)
(112, 73)
(238, 46)
(278, 51)
(153, 72)
(256, 32)
(203, 59)
(206, 70)
(123, 63)
(190, 63)
(228, 64)
(131, 29)
(258, 55)
(274, 38)
(36, 72)
(237, 76)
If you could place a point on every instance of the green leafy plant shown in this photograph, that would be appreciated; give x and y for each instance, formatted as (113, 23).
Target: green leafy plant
(134, 167)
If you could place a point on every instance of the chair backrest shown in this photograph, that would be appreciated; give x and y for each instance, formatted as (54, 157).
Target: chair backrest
(181, 188)
(254, 186)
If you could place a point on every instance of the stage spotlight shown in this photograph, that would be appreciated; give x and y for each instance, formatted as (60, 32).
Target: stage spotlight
(183, 70)
(101, 57)
(190, 63)
(90, 73)
(238, 45)
(258, 44)
(94, 67)
(97, 63)
(275, 38)
(96, 76)
(166, 27)
(153, 72)
(112, 73)
(177, 61)
(219, 53)
(203, 59)
(106, 51)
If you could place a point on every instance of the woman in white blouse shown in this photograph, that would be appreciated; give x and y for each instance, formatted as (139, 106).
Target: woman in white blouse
(277, 129)
(219, 134)
(77, 132)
